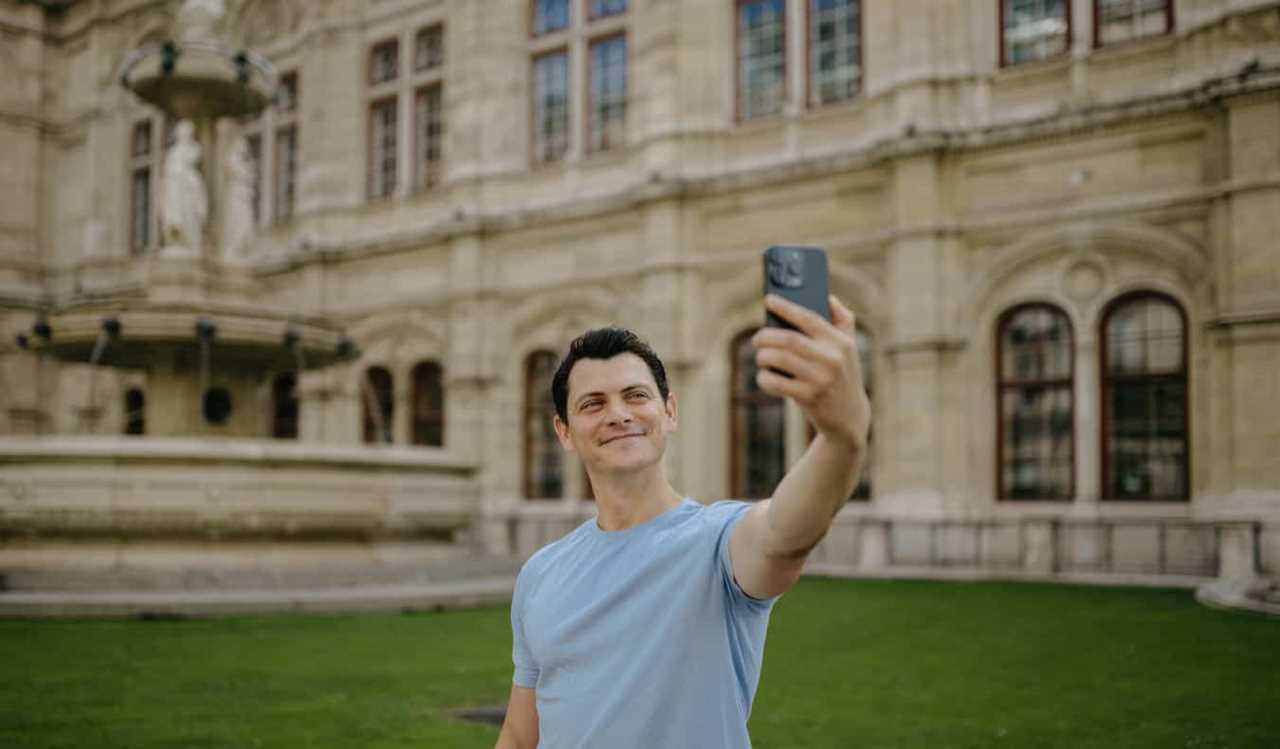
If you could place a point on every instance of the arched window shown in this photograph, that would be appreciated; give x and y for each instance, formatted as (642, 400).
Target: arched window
(1144, 399)
(379, 405)
(284, 406)
(757, 427)
(428, 405)
(1035, 407)
(543, 457)
(135, 411)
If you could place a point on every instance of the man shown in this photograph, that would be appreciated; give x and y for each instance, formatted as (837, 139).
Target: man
(644, 628)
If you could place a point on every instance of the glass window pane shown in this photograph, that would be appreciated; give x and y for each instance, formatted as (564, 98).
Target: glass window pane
(551, 107)
(1124, 20)
(550, 15)
(761, 58)
(1034, 29)
(287, 93)
(758, 440)
(1145, 401)
(384, 62)
(834, 41)
(141, 144)
(428, 137)
(379, 405)
(382, 149)
(140, 221)
(607, 107)
(428, 405)
(600, 8)
(284, 405)
(1037, 451)
(545, 478)
(428, 48)
(286, 169)
(1036, 345)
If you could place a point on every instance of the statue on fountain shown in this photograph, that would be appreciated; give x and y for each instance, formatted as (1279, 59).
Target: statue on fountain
(237, 225)
(198, 20)
(186, 203)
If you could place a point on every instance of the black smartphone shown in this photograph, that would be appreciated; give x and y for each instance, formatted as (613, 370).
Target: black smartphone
(798, 274)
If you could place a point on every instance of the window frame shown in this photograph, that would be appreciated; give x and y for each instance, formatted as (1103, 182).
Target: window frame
(1001, 386)
(1003, 52)
(737, 64)
(735, 490)
(1104, 438)
(587, 98)
(809, 101)
(437, 412)
(369, 392)
(392, 99)
(1098, 43)
(566, 50)
(527, 414)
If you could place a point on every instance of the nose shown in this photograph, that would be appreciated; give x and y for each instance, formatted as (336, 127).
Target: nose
(618, 413)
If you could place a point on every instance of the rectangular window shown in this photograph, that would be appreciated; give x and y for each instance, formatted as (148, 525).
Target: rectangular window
(428, 48)
(602, 8)
(141, 140)
(382, 148)
(1125, 20)
(384, 62)
(287, 93)
(550, 106)
(762, 57)
(253, 144)
(140, 221)
(549, 16)
(607, 105)
(1033, 30)
(286, 167)
(140, 151)
(428, 116)
(835, 50)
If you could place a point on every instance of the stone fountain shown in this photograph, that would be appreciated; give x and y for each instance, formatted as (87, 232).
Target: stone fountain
(202, 514)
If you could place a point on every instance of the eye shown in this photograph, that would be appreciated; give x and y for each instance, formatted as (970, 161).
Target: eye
(589, 405)
(638, 395)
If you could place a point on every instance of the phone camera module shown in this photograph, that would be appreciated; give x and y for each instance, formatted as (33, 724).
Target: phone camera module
(788, 272)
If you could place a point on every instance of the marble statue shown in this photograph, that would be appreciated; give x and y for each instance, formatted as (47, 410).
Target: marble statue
(186, 204)
(237, 223)
(198, 20)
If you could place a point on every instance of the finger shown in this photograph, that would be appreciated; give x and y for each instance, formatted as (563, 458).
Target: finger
(782, 387)
(841, 316)
(787, 339)
(806, 320)
(796, 366)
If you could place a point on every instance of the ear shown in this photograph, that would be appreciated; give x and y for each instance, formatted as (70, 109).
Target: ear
(672, 411)
(562, 432)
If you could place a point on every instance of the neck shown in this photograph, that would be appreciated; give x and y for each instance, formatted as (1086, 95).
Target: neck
(627, 500)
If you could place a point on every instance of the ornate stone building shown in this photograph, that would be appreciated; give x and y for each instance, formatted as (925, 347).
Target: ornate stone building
(1056, 221)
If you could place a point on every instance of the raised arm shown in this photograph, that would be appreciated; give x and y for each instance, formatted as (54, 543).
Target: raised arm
(520, 728)
(769, 546)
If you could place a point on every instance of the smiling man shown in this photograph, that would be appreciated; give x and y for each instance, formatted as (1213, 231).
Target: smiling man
(645, 626)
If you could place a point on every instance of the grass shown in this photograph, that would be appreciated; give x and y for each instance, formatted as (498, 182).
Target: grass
(848, 663)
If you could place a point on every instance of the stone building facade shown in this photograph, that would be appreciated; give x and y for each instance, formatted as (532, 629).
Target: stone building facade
(1055, 220)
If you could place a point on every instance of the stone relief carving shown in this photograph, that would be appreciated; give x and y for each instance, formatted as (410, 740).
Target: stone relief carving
(237, 224)
(185, 201)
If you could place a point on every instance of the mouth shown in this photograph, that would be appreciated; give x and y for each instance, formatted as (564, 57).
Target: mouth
(621, 437)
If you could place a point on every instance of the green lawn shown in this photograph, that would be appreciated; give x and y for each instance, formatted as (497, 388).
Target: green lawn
(848, 664)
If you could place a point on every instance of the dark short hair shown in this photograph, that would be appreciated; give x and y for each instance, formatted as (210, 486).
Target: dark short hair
(604, 343)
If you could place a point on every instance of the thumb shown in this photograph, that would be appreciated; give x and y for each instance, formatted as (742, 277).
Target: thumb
(841, 317)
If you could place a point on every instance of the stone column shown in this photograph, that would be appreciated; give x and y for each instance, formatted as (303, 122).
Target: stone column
(911, 440)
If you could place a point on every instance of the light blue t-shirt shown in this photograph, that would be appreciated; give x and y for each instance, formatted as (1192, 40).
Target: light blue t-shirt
(640, 638)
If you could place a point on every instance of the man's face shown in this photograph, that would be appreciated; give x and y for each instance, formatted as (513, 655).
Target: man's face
(617, 420)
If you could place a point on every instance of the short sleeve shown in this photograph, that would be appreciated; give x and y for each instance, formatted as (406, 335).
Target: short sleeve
(728, 513)
(526, 670)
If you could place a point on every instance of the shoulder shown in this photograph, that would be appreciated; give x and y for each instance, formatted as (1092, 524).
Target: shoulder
(543, 559)
(723, 511)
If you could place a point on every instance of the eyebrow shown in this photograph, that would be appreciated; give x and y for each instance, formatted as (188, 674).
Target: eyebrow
(584, 396)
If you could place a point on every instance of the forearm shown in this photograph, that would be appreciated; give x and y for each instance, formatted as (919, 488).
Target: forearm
(811, 493)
